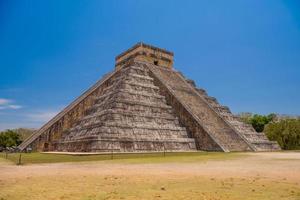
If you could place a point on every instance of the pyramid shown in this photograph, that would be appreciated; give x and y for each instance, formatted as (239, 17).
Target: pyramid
(146, 105)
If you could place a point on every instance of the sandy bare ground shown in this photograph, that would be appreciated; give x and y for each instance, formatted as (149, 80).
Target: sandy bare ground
(278, 168)
(271, 165)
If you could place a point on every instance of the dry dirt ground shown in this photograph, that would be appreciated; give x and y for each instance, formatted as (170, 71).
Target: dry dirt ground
(250, 176)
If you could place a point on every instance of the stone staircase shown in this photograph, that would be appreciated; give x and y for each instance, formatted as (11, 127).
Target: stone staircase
(258, 140)
(227, 130)
(128, 116)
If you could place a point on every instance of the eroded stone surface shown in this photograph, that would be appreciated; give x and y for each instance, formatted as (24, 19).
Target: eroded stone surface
(129, 115)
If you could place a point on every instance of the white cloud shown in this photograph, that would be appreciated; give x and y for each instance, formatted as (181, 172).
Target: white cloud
(42, 116)
(4, 101)
(34, 119)
(14, 107)
(7, 104)
(14, 125)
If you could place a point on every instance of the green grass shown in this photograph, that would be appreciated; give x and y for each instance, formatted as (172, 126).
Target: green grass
(34, 158)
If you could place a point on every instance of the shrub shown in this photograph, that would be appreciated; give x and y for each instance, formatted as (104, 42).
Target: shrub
(257, 121)
(9, 138)
(285, 132)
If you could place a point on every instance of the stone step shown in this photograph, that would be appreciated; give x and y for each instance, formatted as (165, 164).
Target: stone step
(131, 92)
(129, 139)
(267, 146)
(156, 121)
(130, 96)
(257, 139)
(130, 85)
(201, 91)
(96, 130)
(125, 125)
(125, 103)
(135, 78)
(138, 68)
(127, 73)
(130, 113)
(231, 118)
(253, 133)
(211, 99)
(127, 146)
(191, 82)
(132, 108)
(138, 87)
(128, 133)
(140, 76)
(222, 109)
(140, 84)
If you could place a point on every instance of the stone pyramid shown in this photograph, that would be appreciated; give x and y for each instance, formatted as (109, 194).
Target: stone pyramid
(146, 105)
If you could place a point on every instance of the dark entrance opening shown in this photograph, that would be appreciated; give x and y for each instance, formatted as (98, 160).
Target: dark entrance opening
(46, 146)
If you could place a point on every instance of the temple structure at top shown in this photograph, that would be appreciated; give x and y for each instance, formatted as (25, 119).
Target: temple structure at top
(146, 53)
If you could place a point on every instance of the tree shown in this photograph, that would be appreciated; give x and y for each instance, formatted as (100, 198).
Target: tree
(9, 138)
(24, 132)
(245, 117)
(285, 132)
(259, 121)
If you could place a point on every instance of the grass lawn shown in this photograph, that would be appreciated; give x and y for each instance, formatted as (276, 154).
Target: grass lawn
(34, 158)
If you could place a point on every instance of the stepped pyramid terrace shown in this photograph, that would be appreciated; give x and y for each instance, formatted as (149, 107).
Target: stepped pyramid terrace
(146, 105)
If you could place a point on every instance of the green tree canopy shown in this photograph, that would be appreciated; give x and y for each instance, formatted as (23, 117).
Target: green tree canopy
(257, 121)
(285, 132)
(9, 138)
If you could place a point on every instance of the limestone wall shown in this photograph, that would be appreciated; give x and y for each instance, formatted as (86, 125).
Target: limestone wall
(146, 53)
(128, 115)
(52, 131)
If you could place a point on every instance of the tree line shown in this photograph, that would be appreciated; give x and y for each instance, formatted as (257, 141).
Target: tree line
(283, 129)
(12, 138)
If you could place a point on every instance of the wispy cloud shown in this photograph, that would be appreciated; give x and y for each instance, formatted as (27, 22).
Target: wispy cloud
(34, 119)
(8, 104)
(14, 107)
(42, 116)
(4, 101)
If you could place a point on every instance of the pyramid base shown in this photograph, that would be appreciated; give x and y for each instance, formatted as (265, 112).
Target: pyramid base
(186, 144)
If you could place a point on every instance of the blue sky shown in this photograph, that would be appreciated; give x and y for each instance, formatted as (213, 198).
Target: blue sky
(246, 53)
